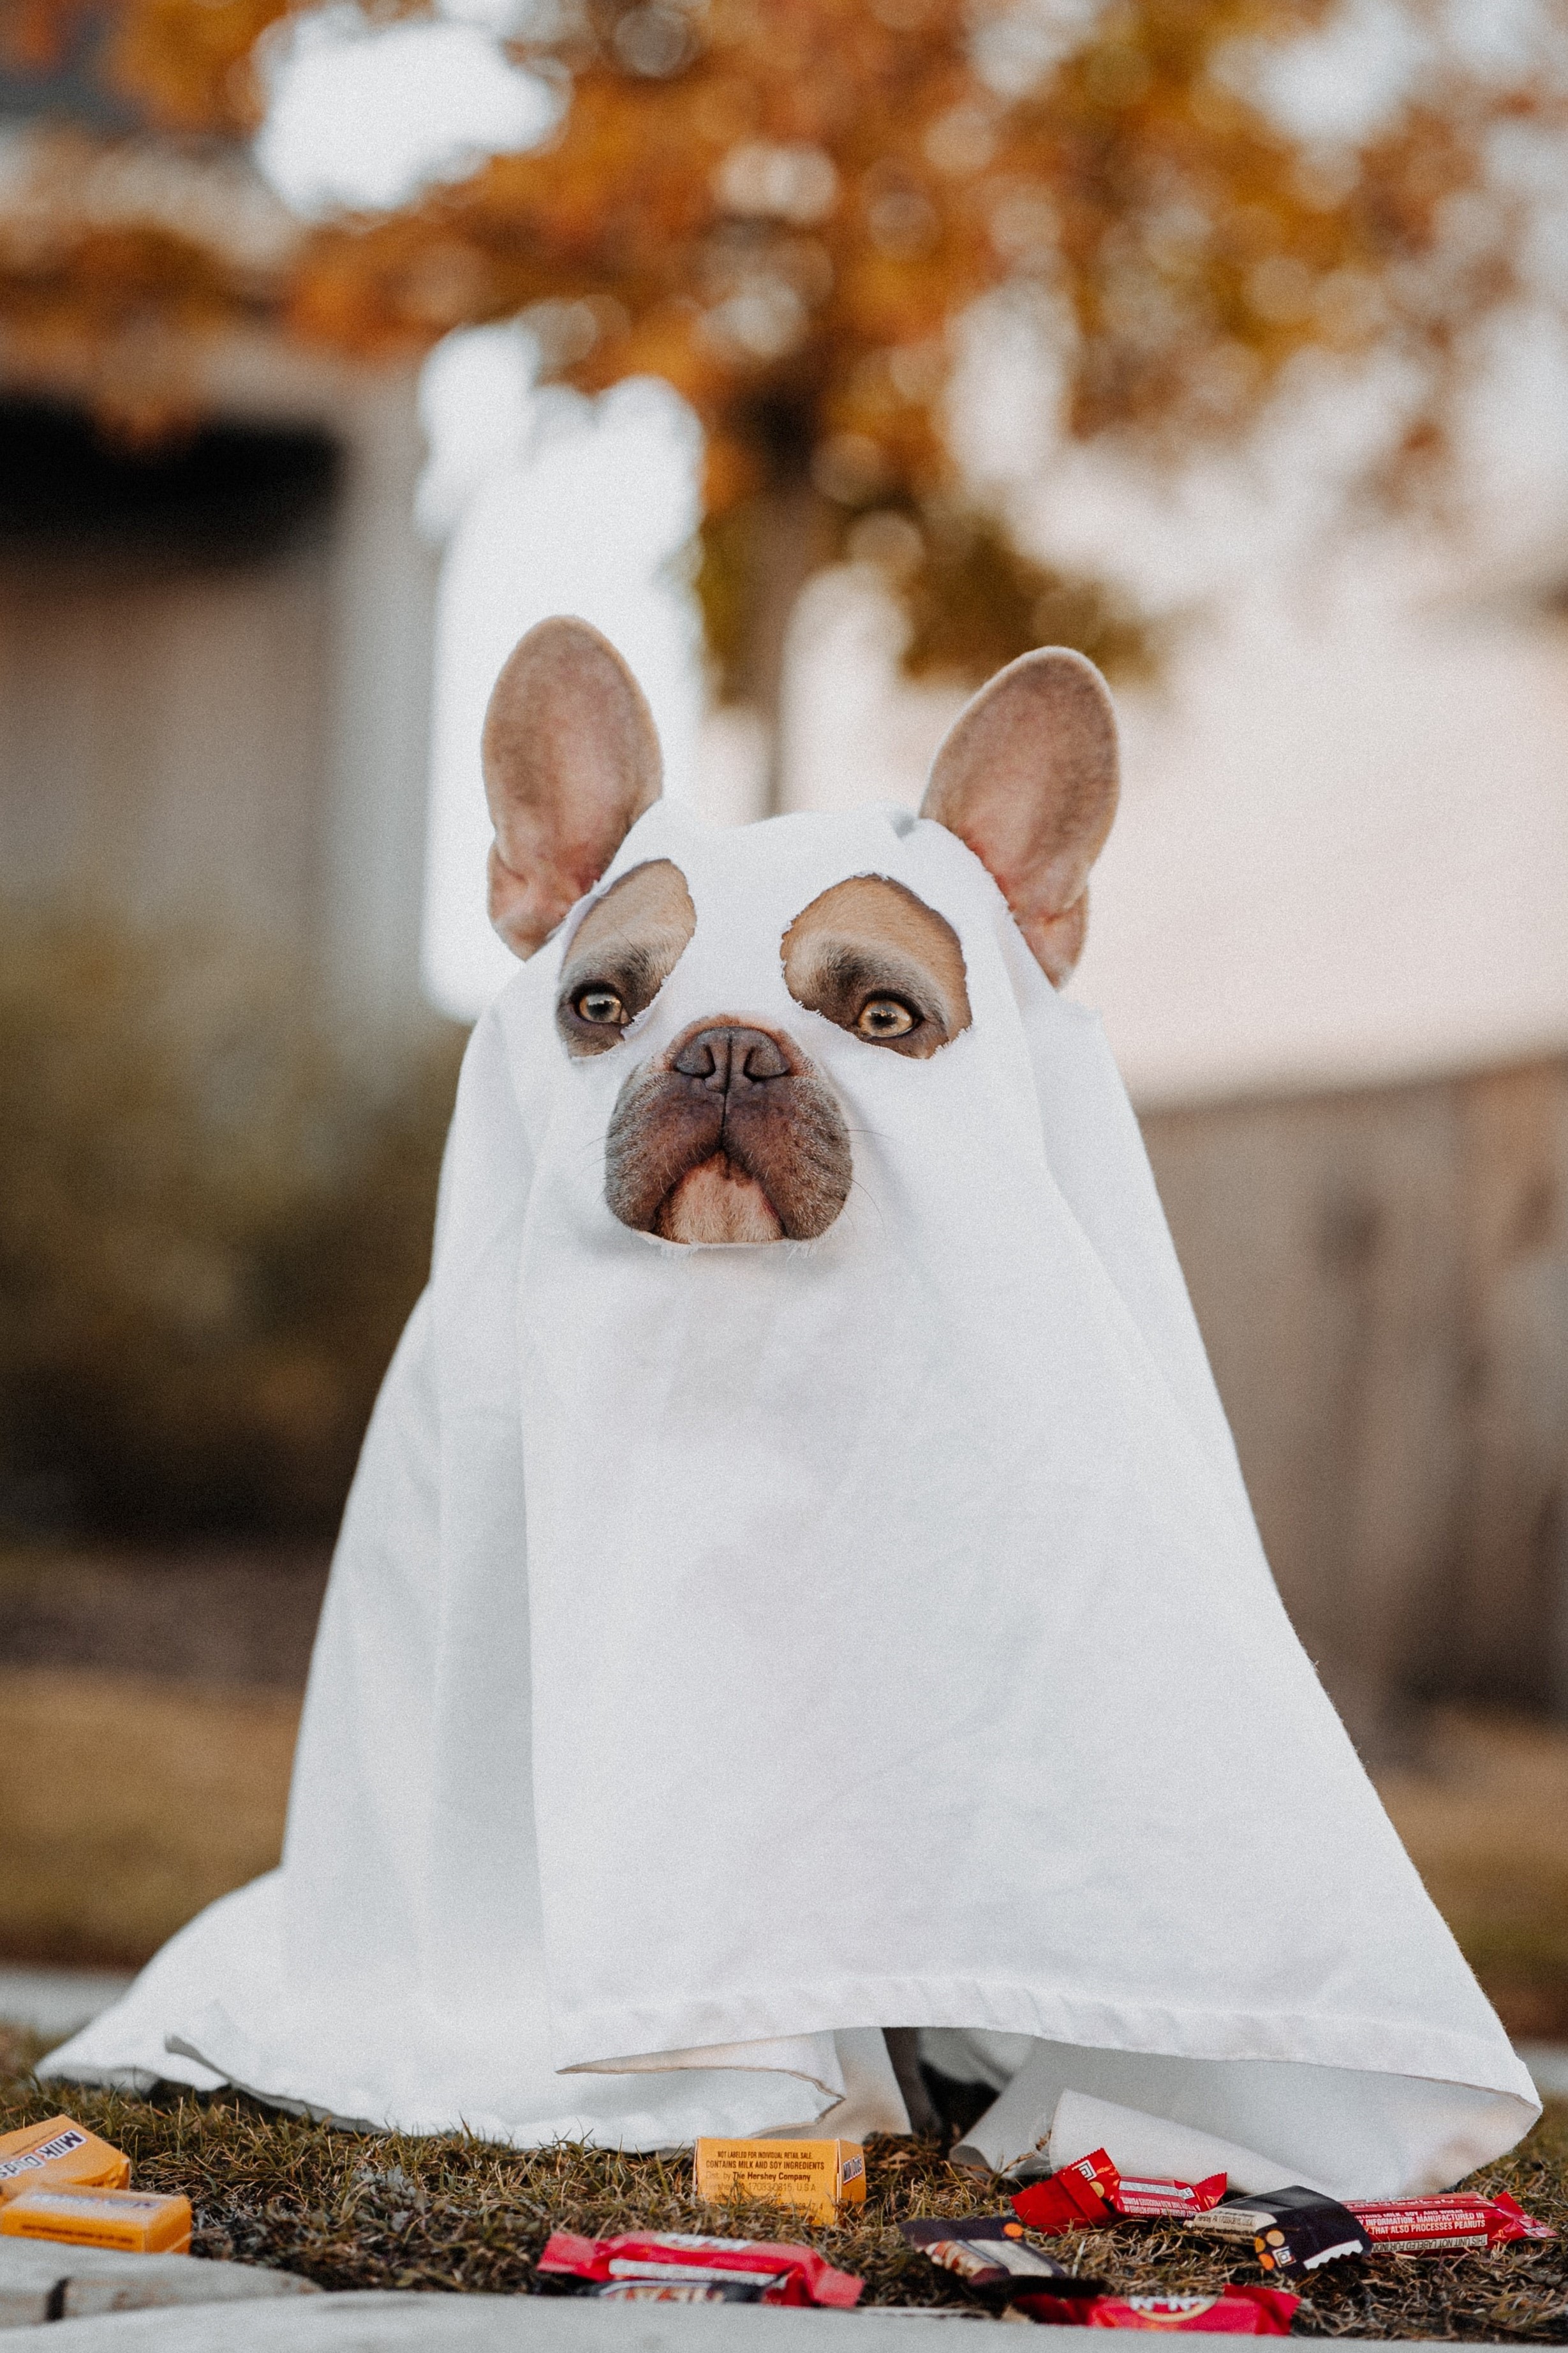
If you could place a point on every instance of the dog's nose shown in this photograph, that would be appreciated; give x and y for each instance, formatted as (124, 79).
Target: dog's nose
(726, 1057)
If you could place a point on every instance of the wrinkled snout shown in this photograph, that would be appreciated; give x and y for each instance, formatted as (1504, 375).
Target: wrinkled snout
(729, 1136)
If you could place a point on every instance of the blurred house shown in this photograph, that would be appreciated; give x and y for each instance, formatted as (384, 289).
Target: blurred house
(1330, 945)
(1333, 952)
(214, 647)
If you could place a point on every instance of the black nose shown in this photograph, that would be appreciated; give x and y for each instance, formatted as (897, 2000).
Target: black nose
(725, 1056)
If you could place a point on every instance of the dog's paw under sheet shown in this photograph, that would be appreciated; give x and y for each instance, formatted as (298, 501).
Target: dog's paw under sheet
(735, 1646)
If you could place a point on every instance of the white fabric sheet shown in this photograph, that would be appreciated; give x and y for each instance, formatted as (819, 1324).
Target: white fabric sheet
(730, 1652)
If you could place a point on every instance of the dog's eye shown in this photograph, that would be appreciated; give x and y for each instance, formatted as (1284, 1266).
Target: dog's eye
(600, 1005)
(884, 1017)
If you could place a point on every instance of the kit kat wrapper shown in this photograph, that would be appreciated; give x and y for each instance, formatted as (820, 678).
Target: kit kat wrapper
(790, 2274)
(1236, 2312)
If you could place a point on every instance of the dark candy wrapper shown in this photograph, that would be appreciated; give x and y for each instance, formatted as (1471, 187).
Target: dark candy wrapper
(989, 2252)
(1290, 2230)
(1238, 2312)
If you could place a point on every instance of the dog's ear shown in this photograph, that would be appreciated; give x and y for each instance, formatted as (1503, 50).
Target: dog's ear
(1027, 778)
(570, 761)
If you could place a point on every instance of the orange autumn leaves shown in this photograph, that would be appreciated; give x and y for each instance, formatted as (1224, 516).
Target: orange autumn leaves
(784, 207)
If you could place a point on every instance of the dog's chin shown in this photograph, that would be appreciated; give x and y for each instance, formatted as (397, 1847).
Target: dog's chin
(716, 1202)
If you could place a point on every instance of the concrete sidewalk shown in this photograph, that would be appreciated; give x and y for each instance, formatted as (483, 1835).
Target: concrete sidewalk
(57, 2001)
(373, 2323)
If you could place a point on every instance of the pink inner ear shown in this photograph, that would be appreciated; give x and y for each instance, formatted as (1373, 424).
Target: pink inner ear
(570, 761)
(1027, 778)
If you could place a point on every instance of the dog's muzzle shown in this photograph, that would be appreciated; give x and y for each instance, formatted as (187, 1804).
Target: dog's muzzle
(729, 1136)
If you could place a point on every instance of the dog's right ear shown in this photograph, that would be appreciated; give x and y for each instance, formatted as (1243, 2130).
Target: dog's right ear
(1027, 778)
(570, 761)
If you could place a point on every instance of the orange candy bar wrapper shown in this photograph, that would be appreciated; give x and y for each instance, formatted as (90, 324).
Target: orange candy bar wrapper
(1238, 2312)
(63, 2153)
(820, 2175)
(131, 2221)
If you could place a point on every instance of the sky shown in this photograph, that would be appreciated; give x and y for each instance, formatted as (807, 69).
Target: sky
(1344, 844)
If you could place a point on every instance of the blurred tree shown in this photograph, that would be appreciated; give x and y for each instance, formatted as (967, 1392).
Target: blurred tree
(795, 211)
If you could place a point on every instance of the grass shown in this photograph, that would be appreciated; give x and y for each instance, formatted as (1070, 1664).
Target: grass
(1486, 1818)
(145, 1800)
(451, 2214)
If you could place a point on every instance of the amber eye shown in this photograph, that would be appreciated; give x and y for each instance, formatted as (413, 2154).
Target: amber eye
(600, 1005)
(884, 1017)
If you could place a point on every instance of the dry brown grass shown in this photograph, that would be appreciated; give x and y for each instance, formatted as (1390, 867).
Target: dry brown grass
(138, 1803)
(1484, 1816)
(149, 1799)
(448, 2213)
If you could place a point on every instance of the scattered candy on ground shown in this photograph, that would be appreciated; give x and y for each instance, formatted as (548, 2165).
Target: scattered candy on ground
(447, 2213)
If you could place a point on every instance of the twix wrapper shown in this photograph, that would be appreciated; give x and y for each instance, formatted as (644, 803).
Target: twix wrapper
(1459, 2218)
(62, 2152)
(1091, 2190)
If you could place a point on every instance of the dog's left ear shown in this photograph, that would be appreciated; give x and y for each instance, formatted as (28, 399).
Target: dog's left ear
(570, 761)
(1027, 778)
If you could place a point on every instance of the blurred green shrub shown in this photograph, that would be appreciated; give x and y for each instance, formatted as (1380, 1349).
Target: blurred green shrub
(213, 1218)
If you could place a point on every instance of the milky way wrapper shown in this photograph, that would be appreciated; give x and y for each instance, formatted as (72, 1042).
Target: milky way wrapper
(786, 2274)
(131, 2221)
(63, 2152)
(989, 2252)
(819, 2175)
(1289, 2230)
(1459, 2219)
(1237, 2312)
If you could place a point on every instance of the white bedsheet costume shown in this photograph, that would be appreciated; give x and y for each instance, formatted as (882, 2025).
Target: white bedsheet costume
(730, 1653)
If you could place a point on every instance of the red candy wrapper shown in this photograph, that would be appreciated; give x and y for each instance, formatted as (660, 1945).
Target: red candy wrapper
(1080, 2193)
(1460, 2219)
(1091, 2190)
(788, 2274)
(1239, 2312)
(1180, 2198)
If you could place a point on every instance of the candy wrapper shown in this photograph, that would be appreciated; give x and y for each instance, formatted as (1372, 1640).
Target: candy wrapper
(1459, 2219)
(635, 2291)
(62, 2153)
(786, 2274)
(1091, 2190)
(1237, 2312)
(989, 2252)
(1290, 2230)
(1080, 2193)
(129, 2222)
(820, 2175)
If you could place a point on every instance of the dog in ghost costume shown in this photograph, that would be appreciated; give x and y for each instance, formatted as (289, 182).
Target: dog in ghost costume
(798, 1585)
